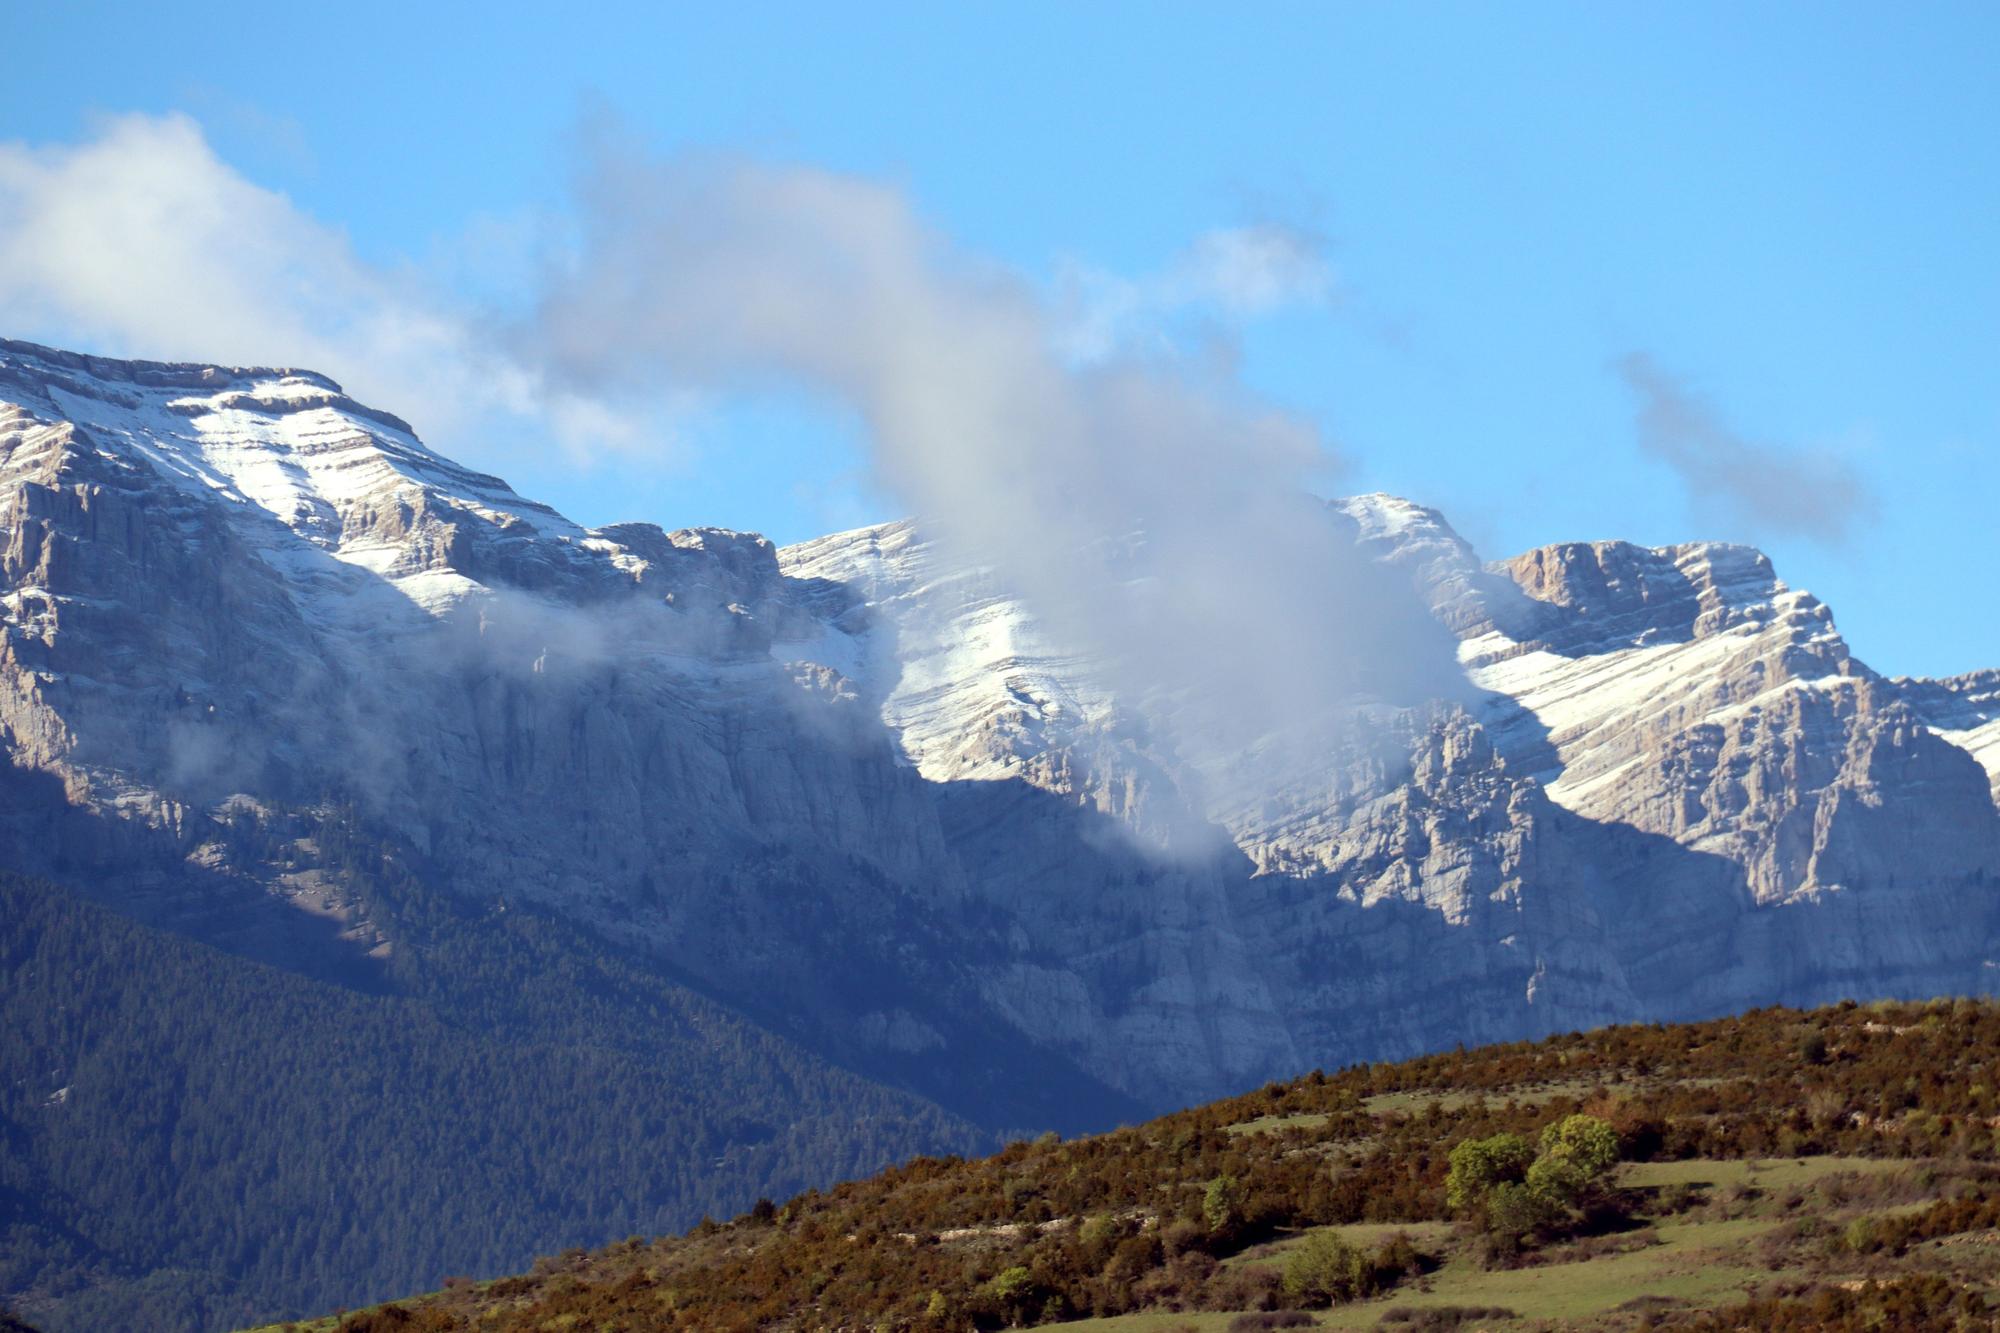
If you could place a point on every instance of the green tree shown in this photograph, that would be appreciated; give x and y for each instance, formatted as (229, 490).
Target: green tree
(1512, 1191)
(1013, 1288)
(1514, 1211)
(1324, 1269)
(1578, 1154)
(1222, 1205)
(1479, 1165)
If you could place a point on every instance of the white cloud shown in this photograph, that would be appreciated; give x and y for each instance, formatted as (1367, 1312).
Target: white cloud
(1243, 602)
(1230, 275)
(141, 241)
(1253, 270)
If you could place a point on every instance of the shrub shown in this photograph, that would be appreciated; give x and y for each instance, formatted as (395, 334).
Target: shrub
(1324, 1269)
(1265, 1319)
(1242, 1287)
(1180, 1237)
(1679, 1198)
(1443, 1316)
(1014, 1291)
(1812, 1049)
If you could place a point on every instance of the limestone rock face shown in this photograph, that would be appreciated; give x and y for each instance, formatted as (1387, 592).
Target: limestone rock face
(1964, 710)
(254, 635)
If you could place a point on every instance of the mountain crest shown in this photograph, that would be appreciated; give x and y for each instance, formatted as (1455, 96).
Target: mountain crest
(238, 601)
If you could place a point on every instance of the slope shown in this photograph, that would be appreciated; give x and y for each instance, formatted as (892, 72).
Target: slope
(1771, 1166)
(193, 1140)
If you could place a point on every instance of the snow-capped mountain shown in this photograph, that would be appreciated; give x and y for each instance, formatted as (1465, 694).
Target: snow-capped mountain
(857, 787)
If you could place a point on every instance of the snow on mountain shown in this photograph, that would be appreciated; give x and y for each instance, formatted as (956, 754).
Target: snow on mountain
(1596, 661)
(858, 783)
(966, 678)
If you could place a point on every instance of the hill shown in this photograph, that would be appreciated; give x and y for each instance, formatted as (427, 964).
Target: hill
(1785, 1169)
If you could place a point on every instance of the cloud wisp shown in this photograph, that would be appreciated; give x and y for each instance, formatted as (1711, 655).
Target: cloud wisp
(140, 240)
(1225, 277)
(1151, 510)
(1764, 488)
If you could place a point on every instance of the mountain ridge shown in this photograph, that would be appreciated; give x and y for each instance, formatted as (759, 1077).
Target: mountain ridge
(1591, 663)
(855, 789)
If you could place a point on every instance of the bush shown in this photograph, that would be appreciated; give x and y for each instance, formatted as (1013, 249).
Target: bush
(1442, 1316)
(1812, 1049)
(1325, 1270)
(1241, 1287)
(1680, 1198)
(1263, 1319)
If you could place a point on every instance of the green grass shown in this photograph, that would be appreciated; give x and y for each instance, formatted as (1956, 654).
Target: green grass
(1153, 1321)
(1698, 1262)
(1265, 1124)
(1774, 1173)
(1428, 1236)
(1412, 1103)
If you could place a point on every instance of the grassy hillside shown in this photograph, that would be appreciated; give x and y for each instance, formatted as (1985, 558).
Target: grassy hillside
(1833, 1169)
(192, 1140)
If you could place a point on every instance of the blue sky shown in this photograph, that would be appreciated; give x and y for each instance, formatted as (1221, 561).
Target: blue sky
(1789, 213)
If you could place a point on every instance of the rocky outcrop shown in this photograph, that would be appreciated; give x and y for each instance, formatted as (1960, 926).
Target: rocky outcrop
(256, 635)
(1964, 710)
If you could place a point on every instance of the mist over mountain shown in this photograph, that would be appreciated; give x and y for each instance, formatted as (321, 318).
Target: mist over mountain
(861, 833)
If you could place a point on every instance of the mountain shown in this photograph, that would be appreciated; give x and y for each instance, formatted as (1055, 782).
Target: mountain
(277, 678)
(1826, 1170)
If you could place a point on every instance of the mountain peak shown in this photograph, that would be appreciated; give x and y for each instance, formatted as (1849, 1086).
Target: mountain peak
(1610, 591)
(158, 374)
(285, 453)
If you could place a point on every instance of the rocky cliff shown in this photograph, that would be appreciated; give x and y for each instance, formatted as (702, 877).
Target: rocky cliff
(855, 788)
